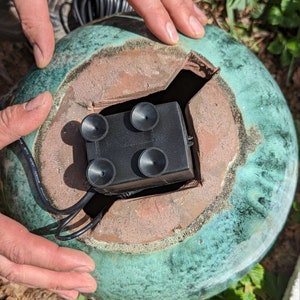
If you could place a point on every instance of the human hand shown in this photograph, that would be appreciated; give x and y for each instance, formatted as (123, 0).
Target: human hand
(36, 25)
(26, 258)
(162, 17)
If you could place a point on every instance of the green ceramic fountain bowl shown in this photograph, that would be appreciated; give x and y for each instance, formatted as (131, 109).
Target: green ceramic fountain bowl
(235, 230)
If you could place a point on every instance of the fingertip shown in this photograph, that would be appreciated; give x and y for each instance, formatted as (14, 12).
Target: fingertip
(201, 15)
(47, 96)
(68, 295)
(43, 53)
(90, 284)
(86, 268)
(172, 34)
(44, 99)
(186, 17)
(74, 260)
(37, 26)
(196, 26)
(39, 58)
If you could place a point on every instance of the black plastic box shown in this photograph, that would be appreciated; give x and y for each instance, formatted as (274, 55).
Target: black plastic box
(138, 149)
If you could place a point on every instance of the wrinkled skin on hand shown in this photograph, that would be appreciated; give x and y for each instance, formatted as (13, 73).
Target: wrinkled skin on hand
(30, 259)
(27, 258)
(165, 17)
(162, 17)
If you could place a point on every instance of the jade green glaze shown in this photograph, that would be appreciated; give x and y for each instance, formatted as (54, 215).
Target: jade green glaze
(230, 242)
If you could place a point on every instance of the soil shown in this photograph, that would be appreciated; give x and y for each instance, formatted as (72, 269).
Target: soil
(12, 291)
(16, 59)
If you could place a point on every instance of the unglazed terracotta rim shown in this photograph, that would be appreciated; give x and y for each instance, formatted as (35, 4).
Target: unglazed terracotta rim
(134, 242)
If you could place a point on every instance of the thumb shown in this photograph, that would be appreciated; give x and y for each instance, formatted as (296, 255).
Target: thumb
(21, 119)
(35, 21)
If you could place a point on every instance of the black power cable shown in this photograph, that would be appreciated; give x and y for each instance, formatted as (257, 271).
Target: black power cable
(64, 222)
(71, 211)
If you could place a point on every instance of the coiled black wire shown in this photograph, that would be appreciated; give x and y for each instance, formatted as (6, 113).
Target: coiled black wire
(89, 10)
(71, 211)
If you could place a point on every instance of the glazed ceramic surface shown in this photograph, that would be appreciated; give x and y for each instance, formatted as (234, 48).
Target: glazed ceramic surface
(236, 231)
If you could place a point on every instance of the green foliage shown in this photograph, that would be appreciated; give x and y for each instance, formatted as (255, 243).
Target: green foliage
(258, 284)
(275, 285)
(239, 30)
(288, 49)
(256, 6)
(295, 216)
(281, 17)
(284, 16)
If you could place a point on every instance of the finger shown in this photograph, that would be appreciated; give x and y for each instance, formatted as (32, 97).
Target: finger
(187, 17)
(36, 24)
(46, 279)
(157, 20)
(39, 251)
(21, 119)
(163, 16)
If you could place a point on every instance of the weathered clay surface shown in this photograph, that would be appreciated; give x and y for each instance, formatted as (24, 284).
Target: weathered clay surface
(153, 218)
(125, 76)
(121, 78)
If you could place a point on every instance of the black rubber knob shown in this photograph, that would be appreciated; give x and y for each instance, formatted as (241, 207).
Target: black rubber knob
(94, 127)
(101, 172)
(144, 116)
(152, 162)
